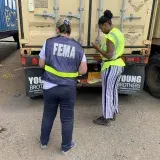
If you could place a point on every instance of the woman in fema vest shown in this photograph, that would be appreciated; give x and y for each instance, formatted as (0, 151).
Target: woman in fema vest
(111, 50)
(63, 60)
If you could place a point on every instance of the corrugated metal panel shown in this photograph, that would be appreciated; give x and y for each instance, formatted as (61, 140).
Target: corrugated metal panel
(157, 24)
(8, 15)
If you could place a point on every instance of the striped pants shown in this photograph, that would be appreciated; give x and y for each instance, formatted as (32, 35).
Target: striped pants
(110, 79)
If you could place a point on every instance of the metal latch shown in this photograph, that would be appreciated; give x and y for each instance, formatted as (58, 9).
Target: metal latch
(131, 17)
(46, 15)
(70, 15)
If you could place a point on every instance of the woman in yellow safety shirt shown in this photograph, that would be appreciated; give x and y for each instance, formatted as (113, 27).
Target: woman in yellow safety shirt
(111, 50)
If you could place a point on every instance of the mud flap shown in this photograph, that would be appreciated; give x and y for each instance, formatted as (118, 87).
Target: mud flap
(132, 79)
(33, 81)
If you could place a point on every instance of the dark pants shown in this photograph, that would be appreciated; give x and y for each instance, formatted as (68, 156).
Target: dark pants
(63, 96)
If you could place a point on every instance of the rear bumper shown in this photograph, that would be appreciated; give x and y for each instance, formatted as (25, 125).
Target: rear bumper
(131, 81)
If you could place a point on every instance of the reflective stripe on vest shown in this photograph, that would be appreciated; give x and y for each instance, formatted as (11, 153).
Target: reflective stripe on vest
(118, 40)
(60, 74)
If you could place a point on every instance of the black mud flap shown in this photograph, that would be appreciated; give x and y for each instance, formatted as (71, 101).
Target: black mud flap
(33, 81)
(132, 79)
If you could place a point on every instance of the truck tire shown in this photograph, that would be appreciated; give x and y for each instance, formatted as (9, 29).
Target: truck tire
(152, 77)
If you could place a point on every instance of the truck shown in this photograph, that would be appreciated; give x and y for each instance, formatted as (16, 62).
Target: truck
(139, 21)
(8, 20)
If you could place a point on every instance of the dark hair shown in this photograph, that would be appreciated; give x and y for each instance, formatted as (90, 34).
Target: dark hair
(107, 17)
(65, 27)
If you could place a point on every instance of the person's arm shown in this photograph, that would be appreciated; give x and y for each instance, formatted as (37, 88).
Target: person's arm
(42, 56)
(110, 49)
(41, 63)
(83, 66)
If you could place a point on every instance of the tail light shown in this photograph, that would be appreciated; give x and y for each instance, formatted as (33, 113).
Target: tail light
(23, 60)
(133, 59)
(137, 59)
(35, 61)
(30, 61)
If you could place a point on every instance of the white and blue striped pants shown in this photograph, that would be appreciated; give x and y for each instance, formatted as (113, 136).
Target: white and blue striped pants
(110, 79)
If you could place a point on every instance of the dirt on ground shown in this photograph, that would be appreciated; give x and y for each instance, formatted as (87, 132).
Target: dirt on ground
(135, 135)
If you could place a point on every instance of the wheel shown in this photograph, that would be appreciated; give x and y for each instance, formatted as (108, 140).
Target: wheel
(152, 78)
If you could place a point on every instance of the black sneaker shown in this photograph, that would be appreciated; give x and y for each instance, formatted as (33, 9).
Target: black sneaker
(101, 121)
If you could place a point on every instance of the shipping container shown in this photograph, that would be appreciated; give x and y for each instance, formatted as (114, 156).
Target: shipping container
(135, 18)
(8, 19)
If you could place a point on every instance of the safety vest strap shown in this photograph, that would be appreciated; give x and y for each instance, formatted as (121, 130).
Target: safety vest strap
(107, 60)
(60, 74)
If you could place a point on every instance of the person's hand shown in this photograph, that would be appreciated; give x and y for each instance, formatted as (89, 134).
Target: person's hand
(96, 46)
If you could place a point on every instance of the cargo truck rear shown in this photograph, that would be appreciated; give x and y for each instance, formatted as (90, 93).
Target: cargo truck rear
(135, 18)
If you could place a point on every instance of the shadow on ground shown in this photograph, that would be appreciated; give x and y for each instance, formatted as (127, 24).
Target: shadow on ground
(6, 49)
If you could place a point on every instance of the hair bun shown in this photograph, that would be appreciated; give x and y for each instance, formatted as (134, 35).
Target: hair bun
(108, 14)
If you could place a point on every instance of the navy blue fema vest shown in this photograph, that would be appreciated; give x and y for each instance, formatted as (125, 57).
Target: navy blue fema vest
(64, 55)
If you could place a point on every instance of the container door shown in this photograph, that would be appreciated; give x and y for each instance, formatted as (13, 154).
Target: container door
(40, 16)
(8, 15)
(130, 16)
